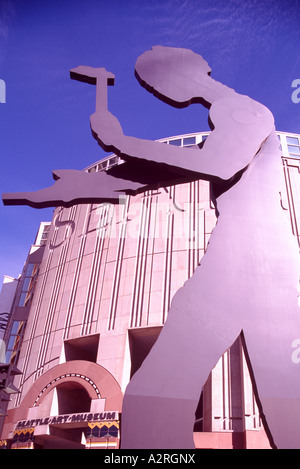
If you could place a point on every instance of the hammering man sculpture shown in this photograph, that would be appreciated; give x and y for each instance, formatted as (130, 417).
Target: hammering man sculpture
(247, 281)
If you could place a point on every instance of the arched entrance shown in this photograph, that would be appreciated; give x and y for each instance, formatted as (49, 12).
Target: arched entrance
(72, 398)
(67, 404)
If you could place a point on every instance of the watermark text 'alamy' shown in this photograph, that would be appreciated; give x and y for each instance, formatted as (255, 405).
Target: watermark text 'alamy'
(296, 93)
(2, 91)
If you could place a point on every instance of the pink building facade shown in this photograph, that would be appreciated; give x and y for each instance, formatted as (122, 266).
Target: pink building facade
(93, 297)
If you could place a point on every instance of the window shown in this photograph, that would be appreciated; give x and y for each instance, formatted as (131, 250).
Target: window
(14, 343)
(293, 145)
(45, 234)
(102, 165)
(176, 142)
(31, 270)
(292, 140)
(113, 161)
(294, 149)
(189, 141)
(28, 284)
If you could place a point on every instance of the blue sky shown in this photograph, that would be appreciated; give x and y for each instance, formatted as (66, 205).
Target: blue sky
(252, 46)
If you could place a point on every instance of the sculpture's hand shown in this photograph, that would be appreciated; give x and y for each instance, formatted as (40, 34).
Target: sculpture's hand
(107, 130)
(75, 187)
(105, 126)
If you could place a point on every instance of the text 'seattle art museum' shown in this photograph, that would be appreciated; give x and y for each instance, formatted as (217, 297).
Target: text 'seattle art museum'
(160, 307)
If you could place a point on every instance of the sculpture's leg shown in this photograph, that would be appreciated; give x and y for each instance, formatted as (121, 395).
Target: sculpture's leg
(276, 375)
(161, 399)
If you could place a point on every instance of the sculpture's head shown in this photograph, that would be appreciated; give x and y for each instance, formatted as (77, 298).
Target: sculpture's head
(174, 75)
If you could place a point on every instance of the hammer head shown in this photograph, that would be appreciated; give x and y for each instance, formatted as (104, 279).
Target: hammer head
(90, 75)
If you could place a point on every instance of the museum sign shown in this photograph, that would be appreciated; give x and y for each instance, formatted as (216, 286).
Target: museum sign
(69, 419)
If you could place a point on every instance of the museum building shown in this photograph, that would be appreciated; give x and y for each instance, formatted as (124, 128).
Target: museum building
(91, 301)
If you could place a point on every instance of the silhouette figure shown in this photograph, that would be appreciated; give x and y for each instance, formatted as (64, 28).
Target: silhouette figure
(247, 281)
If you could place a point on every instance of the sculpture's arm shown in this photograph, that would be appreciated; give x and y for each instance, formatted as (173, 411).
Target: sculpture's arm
(240, 124)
